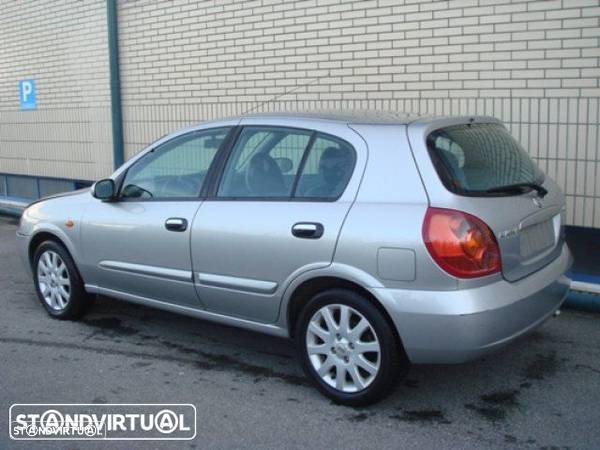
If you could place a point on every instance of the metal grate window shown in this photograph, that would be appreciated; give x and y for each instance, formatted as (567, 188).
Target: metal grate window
(21, 187)
(50, 186)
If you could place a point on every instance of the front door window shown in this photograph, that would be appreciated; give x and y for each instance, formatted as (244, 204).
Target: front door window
(176, 169)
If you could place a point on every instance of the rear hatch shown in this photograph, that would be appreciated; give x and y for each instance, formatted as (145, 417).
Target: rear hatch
(474, 165)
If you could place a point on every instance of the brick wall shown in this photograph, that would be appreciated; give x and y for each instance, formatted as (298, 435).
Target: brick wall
(62, 46)
(232, 51)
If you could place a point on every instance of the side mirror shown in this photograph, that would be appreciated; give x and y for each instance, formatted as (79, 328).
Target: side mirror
(104, 189)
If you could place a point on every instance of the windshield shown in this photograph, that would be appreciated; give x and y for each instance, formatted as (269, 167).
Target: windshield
(480, 159)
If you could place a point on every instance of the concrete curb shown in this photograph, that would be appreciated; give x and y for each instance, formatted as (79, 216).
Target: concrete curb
(12, 207)
(10, 211)
(585, 292)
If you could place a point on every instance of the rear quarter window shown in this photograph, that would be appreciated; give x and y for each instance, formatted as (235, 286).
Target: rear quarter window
(472, 159)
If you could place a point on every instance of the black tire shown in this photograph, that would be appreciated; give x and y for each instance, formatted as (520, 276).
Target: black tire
(393, 363)
(78, 299)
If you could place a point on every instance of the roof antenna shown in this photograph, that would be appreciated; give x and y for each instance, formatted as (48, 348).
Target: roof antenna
(283, 94)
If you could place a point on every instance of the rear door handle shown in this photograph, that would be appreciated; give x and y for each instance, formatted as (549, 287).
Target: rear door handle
(176, 224)
(308, 230)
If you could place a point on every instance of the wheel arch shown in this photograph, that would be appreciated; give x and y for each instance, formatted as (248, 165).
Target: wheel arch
(310, 287)
(46, 235)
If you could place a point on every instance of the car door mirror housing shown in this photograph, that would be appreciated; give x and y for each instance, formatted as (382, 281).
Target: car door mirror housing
(104, 189)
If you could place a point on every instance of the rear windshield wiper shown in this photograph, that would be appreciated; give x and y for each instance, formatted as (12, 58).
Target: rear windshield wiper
(518, 187)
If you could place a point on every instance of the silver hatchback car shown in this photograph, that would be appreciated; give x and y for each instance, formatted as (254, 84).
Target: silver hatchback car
(373, 240)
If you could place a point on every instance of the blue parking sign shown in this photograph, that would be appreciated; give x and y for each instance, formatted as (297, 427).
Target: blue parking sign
(27, 94)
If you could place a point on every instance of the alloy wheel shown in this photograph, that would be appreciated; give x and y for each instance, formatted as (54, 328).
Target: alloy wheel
(53, 280)
(343, 348)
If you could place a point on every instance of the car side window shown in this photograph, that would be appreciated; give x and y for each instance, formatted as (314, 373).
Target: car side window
(327, 170)
(175, 169)
(264, 163)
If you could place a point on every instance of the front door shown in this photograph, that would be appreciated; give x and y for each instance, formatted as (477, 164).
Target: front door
(140, 243)
(276, 212)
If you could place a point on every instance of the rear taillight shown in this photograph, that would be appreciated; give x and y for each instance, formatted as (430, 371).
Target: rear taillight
(461, 244)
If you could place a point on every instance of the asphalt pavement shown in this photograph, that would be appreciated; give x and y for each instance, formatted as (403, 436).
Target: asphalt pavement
(541, 392)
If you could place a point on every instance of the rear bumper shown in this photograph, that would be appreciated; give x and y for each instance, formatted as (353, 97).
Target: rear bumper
(458, 326)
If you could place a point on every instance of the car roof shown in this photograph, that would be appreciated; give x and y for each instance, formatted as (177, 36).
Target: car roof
(371, 117)
(367, 117)
(351, 116)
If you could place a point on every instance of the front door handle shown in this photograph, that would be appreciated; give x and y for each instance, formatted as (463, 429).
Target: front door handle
(308, 230)
(176, 224)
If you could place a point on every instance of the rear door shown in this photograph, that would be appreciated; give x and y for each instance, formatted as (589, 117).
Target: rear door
(277, 211)
(474, 165)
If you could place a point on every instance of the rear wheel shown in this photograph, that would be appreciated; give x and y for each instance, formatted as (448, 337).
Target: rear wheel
(58, 284)
(348, 348)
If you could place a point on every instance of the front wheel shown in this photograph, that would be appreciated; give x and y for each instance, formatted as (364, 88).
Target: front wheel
(348, 348)
(58, 284)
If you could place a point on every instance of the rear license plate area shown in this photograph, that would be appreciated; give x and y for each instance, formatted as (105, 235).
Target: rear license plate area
(537, 238)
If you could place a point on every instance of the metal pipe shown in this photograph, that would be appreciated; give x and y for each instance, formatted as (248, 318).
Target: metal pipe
(582, 286)
(115, 83)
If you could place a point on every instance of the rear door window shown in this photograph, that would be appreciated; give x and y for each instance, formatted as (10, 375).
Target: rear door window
(264, 163)
(481, 160)
(327, 169)
(277, 163)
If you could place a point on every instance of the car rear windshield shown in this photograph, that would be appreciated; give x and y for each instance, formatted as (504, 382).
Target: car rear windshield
(482, 160)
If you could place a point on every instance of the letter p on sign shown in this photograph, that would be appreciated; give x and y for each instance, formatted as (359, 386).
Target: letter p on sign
(27, 94)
